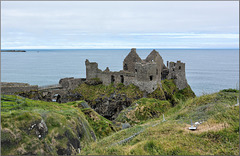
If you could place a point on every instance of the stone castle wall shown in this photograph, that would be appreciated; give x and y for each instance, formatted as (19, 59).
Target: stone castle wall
(71, 82)
(12, 88)
(140, 78)
(146, 74)
(130, 60)
(155, 57)
(177, 72)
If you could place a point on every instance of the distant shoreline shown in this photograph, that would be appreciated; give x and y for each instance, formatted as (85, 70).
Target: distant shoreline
(13, 51)
(137, 48)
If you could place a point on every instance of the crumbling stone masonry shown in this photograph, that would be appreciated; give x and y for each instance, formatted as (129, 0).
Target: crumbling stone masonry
(13, 87)
(146, 74)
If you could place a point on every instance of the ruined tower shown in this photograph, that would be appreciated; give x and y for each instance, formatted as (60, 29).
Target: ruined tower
(155, 57)
(146, 74)
(91, 69)
(130, 60)
(177, 72)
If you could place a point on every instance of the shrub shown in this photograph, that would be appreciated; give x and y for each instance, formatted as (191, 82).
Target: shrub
(230, 90)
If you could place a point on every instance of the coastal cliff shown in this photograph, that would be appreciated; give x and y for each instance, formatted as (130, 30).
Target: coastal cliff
(30, 127)
(110, 100)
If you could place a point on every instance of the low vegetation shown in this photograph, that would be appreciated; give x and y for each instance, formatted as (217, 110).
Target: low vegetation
(218, 133)
(92, 92)
(38, 127)
(47, 128)
(170, 92)
(101, 126)
(142, 110)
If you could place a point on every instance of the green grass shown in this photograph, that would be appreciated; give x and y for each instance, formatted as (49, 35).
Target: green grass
(91, 93)
(156, 103)
(217, 135)
(142, 110)
(101, 126)
(170, 92)
(67, 126)
(70, 124)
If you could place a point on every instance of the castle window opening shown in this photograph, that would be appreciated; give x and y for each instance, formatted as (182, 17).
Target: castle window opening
(135, 70)
(112, 79)
(156, 71)
(151, 78)
(122, 78)
(179, 67)
(125, 67)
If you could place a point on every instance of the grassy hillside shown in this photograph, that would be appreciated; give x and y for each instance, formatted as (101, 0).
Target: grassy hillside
(37, 127)
(142, 110)
(48, 128)
(168, 91)
(101, 126)
(218, 134)
(93, 92)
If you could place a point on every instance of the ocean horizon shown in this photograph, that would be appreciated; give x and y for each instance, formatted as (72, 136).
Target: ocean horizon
(126, 49)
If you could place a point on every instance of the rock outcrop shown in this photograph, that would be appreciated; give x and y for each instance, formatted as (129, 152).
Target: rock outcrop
(110, 107)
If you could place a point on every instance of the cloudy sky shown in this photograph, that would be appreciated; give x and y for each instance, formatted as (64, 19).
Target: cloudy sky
(87, 25)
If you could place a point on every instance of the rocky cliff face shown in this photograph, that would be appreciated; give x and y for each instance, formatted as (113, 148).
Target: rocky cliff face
(110, 107)
(110, 100)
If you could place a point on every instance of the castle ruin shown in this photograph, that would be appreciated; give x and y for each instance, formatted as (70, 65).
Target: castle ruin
(146, 74)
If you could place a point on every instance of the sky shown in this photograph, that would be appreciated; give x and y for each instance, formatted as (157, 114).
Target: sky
(121, 24)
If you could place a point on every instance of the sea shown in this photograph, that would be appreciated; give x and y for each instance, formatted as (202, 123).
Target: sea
(207, 70)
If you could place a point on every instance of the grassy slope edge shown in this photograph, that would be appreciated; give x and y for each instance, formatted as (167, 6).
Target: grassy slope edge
(218, 134)
(68, 127)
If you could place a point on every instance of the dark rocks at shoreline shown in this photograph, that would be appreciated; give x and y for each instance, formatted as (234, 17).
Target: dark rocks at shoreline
(13, 51)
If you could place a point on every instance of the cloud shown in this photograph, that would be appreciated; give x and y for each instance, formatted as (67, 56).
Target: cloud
(206, 36)
(72, 24)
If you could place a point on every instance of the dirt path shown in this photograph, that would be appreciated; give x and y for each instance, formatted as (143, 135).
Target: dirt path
(206, 127)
